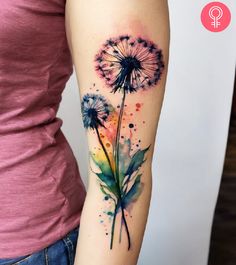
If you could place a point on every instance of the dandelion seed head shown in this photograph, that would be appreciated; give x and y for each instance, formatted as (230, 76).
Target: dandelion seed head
(95, 110)
(127, 63)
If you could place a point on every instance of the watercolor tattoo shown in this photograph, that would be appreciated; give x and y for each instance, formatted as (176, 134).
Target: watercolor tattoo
(127, 65)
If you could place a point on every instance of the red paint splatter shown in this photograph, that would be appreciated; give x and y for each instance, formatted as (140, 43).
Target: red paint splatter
(138, 105)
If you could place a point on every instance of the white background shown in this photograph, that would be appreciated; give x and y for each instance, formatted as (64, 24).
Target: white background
(191, 137)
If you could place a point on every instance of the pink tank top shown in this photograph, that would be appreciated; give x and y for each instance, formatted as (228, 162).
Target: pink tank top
(41, 192)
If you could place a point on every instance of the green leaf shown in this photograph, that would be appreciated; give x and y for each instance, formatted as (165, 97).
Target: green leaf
(136, 161)
(133, 192)
(110, 183)
(103, 165)
(106, 176)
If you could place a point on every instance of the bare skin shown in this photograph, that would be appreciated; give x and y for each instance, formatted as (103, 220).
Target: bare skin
(120, 50)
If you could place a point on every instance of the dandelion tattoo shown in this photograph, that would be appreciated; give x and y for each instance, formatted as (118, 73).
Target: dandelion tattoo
(127, 65)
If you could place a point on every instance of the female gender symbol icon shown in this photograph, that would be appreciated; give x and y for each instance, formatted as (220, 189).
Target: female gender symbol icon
(216, 17)
(219, 13)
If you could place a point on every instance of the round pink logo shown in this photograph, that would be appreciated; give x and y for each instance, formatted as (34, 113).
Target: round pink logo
(216, 16)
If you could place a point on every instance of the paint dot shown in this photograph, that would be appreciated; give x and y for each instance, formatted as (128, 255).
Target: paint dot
(131, 114)
(137, 109)
(109, 213)
(131, 125)
(108, 145)
(138, 105)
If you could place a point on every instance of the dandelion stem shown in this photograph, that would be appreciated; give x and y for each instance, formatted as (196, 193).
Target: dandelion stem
(123, 219)
(117, 158)
(117, 145)
(126, 226)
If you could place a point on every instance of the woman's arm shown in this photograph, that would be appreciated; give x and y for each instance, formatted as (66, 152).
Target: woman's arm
(120, 52)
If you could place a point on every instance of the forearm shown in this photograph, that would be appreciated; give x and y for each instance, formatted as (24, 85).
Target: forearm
(120, 51)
